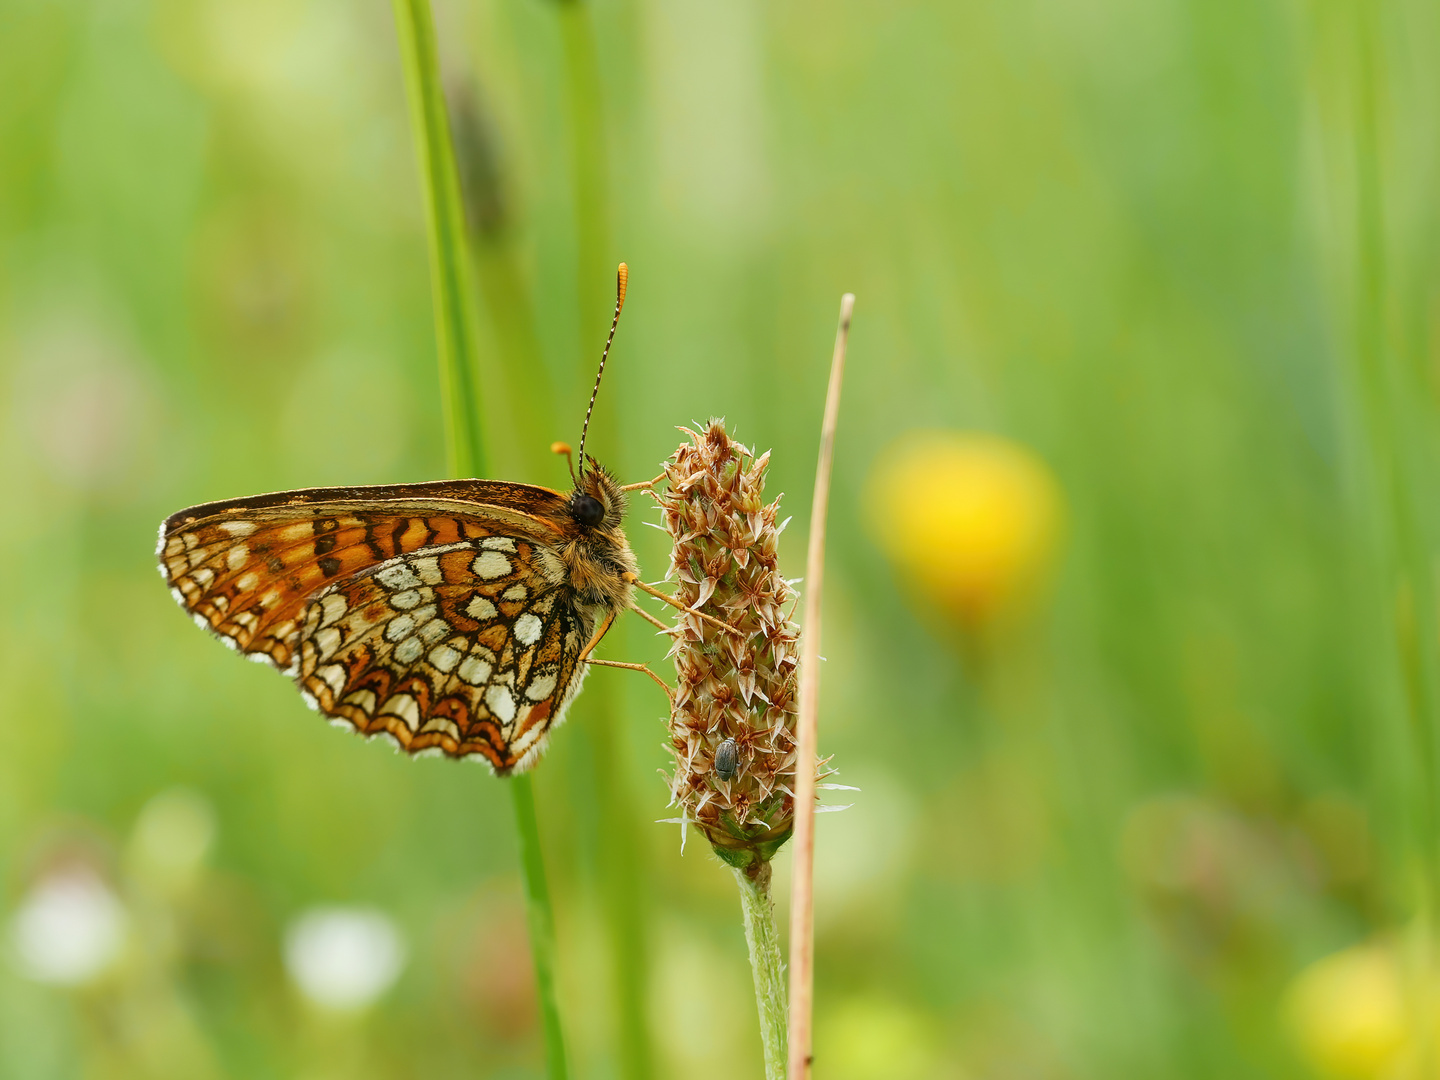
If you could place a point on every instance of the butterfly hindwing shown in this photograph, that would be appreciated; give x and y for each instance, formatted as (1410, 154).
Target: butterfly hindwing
(464, 649)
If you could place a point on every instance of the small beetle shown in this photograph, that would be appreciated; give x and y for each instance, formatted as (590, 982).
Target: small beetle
(727, 759)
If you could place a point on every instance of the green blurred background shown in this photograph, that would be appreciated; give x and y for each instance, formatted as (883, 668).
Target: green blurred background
(1182, 254)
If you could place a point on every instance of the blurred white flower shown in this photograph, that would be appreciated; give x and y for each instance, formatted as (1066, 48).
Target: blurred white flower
(172, 836)
(343, 958)
(68, 929)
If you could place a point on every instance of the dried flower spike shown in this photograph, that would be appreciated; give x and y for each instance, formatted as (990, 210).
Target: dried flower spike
(732, 729)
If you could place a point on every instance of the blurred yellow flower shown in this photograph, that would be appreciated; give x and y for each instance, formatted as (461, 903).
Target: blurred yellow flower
(970, 518)
(1349, 1014)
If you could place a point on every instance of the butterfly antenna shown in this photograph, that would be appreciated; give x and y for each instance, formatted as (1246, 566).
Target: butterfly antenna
(622, 276)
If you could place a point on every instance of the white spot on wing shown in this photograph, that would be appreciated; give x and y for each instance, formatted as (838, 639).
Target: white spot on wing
(333, 675)
(496, 543)
(433, 631)
(540, 688)
(327, 641)
(501, 702)
(475, 670)
(428, 569)
(403, 706)
(237, 556)
(527, 629)
(445, 658)
(332, 607)
(479, 608)
(440, 723)
(405, 600)
(490, 564)
(400, 627)
(515, 592)
(409, 650)
(238, 528)
(398, 577)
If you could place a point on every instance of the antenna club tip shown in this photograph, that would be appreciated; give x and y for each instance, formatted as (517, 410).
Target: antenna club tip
(622, 279)
(560, 448)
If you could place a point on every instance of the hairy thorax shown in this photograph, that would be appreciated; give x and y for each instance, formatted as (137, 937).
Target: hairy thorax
(598, 558)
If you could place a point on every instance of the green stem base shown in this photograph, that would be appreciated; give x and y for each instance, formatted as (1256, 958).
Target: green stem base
(765, 964)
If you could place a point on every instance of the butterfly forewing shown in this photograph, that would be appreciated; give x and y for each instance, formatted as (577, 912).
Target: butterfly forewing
(436, 614)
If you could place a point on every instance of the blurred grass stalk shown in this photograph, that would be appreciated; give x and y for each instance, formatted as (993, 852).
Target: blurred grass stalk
(455, 345)
(1399, 420)
(517, 365)
(622, 868)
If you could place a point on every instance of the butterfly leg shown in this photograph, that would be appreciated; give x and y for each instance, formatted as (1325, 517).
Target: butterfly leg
(595, 640)
(633, 580)
(637, 667)
(651, 619)
(644, 485)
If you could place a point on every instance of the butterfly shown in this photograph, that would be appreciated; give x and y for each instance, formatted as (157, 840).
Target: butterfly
(454, 617)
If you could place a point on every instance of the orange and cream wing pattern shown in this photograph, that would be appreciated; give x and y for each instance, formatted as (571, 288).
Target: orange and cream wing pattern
(463, 649)
(316, 583)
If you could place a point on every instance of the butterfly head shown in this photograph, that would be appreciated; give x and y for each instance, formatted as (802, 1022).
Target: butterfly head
(597, 501)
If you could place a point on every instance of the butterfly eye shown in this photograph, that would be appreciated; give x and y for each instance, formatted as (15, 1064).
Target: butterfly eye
(727, 759)
(587, 511)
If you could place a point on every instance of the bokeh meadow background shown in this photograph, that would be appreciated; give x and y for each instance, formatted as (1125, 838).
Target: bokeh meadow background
(1131, 611)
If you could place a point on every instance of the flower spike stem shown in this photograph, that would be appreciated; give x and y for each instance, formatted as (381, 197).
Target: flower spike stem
(455, 344)
(765, 963)
(802, 894)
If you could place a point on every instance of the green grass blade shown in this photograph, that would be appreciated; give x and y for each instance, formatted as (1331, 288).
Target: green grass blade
(542, 922)
(445, 216)
(455, 343)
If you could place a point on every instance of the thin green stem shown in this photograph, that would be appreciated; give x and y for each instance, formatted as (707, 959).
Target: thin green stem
(445, 217)
(542, 922)
(621, 873)
(455, 345)
(766, 966)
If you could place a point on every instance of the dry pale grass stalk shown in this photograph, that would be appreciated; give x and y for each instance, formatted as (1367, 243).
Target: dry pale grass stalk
(802, 894)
